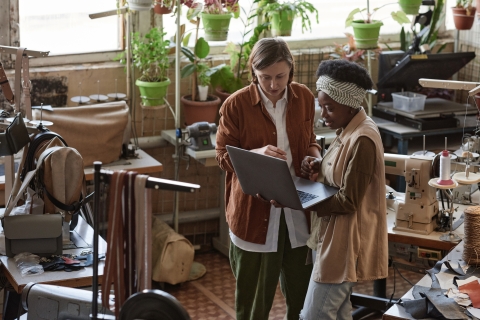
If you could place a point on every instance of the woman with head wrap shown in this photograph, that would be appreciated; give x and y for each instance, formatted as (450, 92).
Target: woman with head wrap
(349, 230)
(272, 116)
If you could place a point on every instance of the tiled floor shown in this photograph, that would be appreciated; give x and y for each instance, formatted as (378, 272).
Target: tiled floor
(213, 296)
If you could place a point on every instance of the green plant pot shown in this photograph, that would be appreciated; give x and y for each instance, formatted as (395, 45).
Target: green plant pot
(282, 23)
(410, 6)
(366, 34)
(216, 26)
(152, 93)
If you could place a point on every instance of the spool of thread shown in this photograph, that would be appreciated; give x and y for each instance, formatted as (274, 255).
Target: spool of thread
(471, 225)
(445, 169)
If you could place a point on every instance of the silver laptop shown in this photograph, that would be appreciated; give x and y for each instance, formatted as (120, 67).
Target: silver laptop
(271, 178)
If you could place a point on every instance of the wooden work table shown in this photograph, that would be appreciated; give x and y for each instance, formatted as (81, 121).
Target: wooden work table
(73, 279)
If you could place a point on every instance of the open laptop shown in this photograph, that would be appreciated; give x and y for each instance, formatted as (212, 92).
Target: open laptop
(271, 178)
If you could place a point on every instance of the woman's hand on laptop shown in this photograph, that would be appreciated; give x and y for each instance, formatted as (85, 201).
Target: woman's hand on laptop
(310, 167)
(273, 202)
(271, 151)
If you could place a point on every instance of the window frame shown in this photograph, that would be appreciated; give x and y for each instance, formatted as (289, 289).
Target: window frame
(9, 36)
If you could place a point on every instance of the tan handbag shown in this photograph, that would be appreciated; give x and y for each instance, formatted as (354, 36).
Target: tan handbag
(172, 254)
(96, 131)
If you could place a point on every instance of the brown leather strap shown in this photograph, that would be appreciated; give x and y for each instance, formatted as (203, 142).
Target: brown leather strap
(129, 232)
(113, 273)
(5, 85)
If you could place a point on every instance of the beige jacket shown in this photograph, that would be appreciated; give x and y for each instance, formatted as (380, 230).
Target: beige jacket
(352, 246)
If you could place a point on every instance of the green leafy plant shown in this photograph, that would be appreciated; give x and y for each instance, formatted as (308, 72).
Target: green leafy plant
(197, 67)
(233, 76)
(429, 37)
(150, 55)
(367, 16)
(438, 18)
(299, 8)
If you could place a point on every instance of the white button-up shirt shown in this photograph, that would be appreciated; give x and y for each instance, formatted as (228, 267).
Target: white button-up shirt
(296, 220)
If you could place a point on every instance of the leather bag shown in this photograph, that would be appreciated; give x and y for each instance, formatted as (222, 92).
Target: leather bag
(96, 131)
(40, 234)
(15, 137)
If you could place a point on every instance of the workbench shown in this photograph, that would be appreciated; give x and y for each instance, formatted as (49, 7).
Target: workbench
(403, 134)
(74, 279)
(397, 312)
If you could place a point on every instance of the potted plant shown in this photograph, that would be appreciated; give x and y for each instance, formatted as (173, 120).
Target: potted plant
(201, 106)
(137, 5)
(463, 14)
(228, 78)
(163, 6)
(367, 30)
(216, 18)
(410, 6)
(167, 6)
(150, 56)
(282, 14)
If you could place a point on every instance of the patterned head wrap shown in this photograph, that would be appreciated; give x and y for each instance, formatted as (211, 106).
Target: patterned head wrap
(346, 93)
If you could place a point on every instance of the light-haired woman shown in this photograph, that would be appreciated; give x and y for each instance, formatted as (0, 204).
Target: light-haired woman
(272, 116)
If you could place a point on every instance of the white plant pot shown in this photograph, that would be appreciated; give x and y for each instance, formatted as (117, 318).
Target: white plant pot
(140, 5)
(202, 93)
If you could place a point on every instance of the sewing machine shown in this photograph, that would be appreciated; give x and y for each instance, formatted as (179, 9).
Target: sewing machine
(417, 211)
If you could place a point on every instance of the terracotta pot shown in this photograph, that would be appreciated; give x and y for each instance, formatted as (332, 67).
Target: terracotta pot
(222, 94)
(196, 111)
(461, 20)
(160, 9)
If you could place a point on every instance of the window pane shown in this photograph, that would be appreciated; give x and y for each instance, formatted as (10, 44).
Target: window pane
(63, 26)
(331, 20)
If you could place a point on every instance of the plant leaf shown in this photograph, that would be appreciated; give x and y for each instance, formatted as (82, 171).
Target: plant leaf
(202, 48)
(188, 70)
(186, 39)
(400, 17)
(349, 20)
(188, 53)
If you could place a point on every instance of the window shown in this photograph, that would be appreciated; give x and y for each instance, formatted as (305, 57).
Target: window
(64, 27)
(331, 22)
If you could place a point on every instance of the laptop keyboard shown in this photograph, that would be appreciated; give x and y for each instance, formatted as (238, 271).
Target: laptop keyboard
(305, 197)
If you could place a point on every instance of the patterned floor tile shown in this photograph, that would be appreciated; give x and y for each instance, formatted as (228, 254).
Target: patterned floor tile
(212, 297)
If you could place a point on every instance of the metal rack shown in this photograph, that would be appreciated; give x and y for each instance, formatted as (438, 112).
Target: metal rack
(103, 176)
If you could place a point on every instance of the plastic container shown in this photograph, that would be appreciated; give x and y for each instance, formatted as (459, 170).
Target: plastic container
(408, 101)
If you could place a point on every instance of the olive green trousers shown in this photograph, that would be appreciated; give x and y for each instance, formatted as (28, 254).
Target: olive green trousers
(258, 273)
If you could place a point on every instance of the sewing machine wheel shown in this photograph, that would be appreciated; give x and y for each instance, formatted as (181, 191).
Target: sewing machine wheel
(153, 305)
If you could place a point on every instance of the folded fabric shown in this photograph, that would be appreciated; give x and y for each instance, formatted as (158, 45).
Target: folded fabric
(473, 291)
